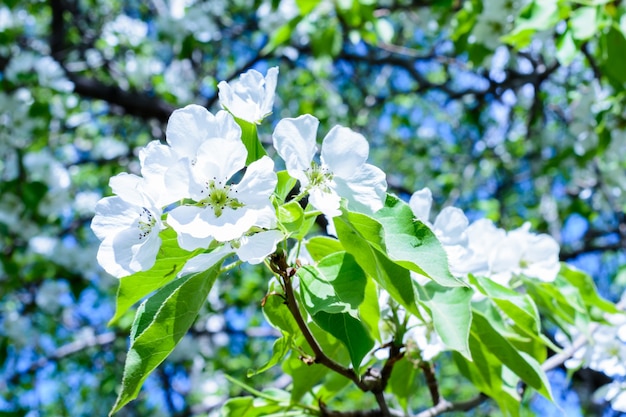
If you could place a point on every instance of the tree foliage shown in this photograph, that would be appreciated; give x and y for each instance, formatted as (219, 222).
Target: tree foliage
(510, 110)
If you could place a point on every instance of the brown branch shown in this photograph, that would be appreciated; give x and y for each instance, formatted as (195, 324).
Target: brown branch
(431, 381)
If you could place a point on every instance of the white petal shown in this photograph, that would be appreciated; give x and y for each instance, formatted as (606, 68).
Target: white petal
(186, 219)
(225, 127)
(258, 183)
(344, 151)
(125, 254)
(188, 128)
(178, 181)
(113, 215)
(220, 159)
(250, 97)
(266, 217)
(231, 224)
(129, 187)
(450, 226)
(365, 190)
(203, 261)
(156, 158)
(191, 243)
(327, 203)
(421, 201)
(506, 257)
(255, 248)
(294, 140)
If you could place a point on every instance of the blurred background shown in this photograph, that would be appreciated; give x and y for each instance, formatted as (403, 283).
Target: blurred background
(511, 110)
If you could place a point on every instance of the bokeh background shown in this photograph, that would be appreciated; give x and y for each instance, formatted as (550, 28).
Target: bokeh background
(511, 110)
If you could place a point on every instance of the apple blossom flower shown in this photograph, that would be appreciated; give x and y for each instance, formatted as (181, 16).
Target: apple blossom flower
(223, 210)
(526, 253)
(128, 224)
(187, 129)
(342, 172)
(483, 249)
(615, 393)
(606, 352)
(251, 97)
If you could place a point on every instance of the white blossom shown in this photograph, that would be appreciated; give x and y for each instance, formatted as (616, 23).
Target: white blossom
(251, 97)
(342, 172)
(128, 225)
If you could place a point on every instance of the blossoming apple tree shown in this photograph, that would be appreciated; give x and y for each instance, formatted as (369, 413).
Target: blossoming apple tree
(382, 296)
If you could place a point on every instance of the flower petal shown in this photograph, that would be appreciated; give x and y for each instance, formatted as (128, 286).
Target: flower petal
(112, 216)
(450, 225)
(255, 248)
(421, 201)
(327, 203)
(258, 183)
(230, 225)
(365, 190)
(203, 261)
(294, 140)
(344, 151)
(186, 219)
(219, 159)
(188, 128)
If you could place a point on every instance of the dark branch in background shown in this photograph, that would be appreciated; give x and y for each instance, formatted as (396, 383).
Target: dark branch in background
(135, 103)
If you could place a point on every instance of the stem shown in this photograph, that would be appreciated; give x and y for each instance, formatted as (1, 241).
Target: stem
(431, 381)
(320, 357)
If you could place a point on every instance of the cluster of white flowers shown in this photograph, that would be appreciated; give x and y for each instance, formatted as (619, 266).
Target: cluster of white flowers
(483, 249)
(199, 185)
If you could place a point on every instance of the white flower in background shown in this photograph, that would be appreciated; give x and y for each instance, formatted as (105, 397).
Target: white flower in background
(124, 30)
(50, 296)
(342, 172)
(251, 97)
(224, 210)
(483, 249)
(42, 166)
(450, 228)
(128, 225)
(615, 392)
(523, 252)
(606, 352)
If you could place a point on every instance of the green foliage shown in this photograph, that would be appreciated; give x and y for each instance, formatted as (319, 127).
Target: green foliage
(161, 321)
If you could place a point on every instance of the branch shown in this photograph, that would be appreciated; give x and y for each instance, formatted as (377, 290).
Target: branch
(141, 104)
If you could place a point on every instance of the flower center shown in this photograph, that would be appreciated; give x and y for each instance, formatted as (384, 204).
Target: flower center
(319, 177)
(146, 223)
(219, 197)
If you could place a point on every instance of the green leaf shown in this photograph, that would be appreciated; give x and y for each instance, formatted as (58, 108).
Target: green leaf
(306, 376)
(451, 313)
(587, 289)
(307, 6)
(290, 216)
(369, 310)
(613, 59)
(538, 15)
(412, 244)
(279, 350)
(321, 246)
(285, 185)
(159, 326)
(361, 236)
(566, 49)
(404, 381)
(249, 407)
(332, 292)
(279, 316)
(281, 36)
(251, 140)
(170, 261)
(520, 308)
(522, 364)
